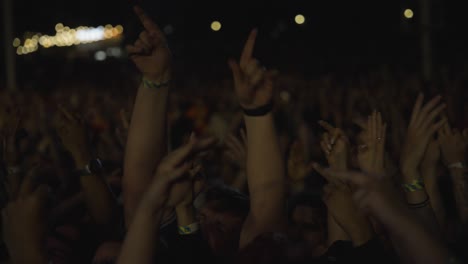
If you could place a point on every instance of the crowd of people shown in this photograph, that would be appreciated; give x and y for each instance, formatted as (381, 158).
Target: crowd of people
(263, 167)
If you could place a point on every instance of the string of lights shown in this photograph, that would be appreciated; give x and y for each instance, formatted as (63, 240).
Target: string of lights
(66, 36)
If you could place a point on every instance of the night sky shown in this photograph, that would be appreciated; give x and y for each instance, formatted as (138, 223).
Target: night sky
(335, 32)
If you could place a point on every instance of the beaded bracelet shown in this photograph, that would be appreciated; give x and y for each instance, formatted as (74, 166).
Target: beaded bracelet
(419, 205)
(152, 85)
(190, 229)
(414, 186)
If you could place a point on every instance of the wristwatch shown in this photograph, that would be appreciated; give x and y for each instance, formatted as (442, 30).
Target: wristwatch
(94, 167)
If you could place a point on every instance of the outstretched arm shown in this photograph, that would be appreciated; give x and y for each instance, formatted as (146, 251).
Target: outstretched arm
(265, 166)
(142, 237)
(421, 129)
(453, 148)
(146, 144)
(376, 195)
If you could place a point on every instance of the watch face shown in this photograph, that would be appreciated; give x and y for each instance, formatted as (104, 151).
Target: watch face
(95, 165)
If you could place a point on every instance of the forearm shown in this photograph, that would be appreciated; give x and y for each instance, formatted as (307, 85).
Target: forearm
(414, 244)
(146, 144)
(432, 189)
(460, 190)
(265, 176)
(185, 215)
(142, 237)
(335, 231)
(96, 193)
(98, 199)
(418, 197)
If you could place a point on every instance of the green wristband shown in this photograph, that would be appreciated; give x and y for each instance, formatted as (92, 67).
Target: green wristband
(414, 186)
(153, 85)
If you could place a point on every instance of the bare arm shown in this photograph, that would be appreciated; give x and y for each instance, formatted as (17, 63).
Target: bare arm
(379, 198)
(265, 179)
(460, 188)
(98, 199)
(146, 144)
(421, 130)
(265, 166)
(429, 172)
(143, 233)
(454, 147)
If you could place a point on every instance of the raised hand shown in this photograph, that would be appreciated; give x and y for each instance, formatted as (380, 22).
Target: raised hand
(72, 131)
(422, 127)
(452, 144)
(253, 83)
(174, 171)
(237, 149)
(335, 145)
(341, 206)
(371, 154)
(375, 194)
(150, 52)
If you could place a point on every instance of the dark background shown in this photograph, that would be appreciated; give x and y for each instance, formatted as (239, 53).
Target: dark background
(337, 35)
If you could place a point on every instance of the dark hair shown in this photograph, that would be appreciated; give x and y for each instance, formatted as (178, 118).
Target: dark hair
(228, 200)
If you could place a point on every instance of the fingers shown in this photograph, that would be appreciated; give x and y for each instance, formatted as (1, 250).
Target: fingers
(432, 116)
(195, 171)
(326, 126)
(179, 172)
(131, 49)
(180, 155)
(257, 76)
(142, 45)
(323, 172)
(325, 147)
(351, 177)
(427, 108)
(326, 140)
(204, 144)
(416, 108)
(146, 39)
(147, 22)
(248, 48)
(438, 125)
(234, 144)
